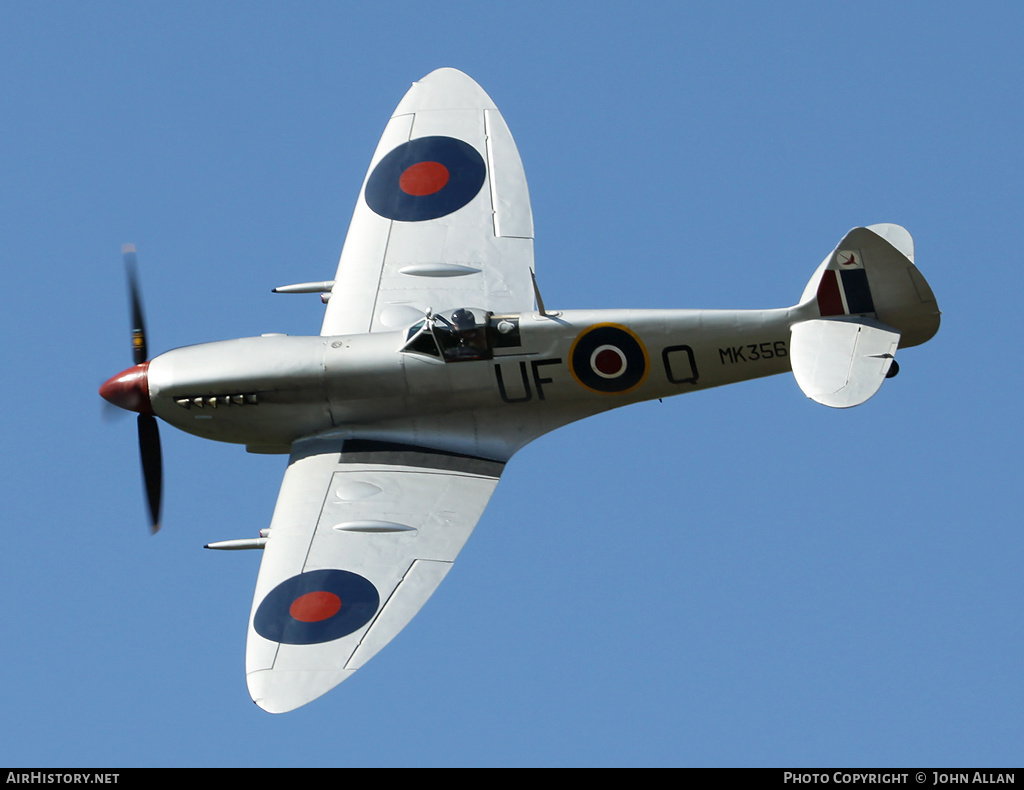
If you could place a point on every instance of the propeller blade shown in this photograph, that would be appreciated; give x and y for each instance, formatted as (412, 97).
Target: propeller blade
(139, 352)
(120, 393)
(152, 466)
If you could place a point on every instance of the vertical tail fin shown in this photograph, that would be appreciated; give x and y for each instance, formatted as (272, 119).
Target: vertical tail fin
(866, 299)
(871, 273)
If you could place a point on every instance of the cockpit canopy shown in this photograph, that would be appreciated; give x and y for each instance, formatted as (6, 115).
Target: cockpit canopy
(462, 334)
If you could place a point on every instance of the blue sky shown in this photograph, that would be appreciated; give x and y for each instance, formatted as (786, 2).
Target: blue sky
(736, 577)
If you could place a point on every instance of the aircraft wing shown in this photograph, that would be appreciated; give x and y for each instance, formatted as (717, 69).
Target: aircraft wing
(443, 219)
(362, 535)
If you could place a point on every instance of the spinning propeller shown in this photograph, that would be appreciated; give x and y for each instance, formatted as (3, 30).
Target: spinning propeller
(130, 390)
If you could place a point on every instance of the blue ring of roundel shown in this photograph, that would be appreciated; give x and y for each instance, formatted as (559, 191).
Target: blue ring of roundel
(466, 174)
(359, 603)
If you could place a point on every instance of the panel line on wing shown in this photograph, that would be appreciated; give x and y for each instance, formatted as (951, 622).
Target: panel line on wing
(417, 584)
(489, 147)
(302, 569)
(380, 277)
(510, 196)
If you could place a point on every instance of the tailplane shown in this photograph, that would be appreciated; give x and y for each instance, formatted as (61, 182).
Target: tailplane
(865, 300)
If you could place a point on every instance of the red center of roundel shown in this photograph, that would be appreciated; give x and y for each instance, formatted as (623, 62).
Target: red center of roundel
(423, 178)
(607, 362)
(315, 606)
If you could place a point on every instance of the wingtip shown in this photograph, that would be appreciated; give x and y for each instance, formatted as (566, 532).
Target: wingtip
(281, 691)
(447, 72)
(445, 89)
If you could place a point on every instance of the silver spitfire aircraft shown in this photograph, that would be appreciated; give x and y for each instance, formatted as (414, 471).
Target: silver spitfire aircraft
(433, 368)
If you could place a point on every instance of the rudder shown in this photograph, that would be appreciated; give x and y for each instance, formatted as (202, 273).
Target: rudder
(865, 300)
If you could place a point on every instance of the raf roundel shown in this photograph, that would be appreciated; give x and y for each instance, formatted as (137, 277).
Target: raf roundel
(608, 358)
(316, 607)
(425, 178)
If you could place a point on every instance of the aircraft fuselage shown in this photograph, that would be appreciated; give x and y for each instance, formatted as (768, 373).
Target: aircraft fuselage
(550, 369)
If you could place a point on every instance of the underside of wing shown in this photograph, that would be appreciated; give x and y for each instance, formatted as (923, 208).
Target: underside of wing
(362, 535)
(443, 219)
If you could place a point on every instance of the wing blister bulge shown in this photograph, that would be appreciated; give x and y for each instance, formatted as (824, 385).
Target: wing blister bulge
(325, 489)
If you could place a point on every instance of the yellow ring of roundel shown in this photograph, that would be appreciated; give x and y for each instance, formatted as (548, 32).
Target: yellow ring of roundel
(624, 339)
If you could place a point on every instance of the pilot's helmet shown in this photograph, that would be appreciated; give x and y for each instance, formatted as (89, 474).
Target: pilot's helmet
(463, 319)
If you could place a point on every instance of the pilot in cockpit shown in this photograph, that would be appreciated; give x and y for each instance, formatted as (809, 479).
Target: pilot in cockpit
(469, 340)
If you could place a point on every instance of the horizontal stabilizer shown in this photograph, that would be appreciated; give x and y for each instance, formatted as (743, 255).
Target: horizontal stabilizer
(841, 362)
